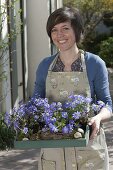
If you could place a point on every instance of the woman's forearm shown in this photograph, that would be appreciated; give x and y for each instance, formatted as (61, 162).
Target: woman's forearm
(104, 114)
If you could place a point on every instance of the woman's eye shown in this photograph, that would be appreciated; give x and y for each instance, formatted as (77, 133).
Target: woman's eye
(61, 30)
(53, 30)
(66, 28)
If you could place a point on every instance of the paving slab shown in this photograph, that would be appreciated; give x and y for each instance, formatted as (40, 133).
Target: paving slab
(19, 159)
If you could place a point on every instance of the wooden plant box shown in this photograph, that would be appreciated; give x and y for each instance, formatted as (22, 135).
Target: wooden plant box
(56, 143)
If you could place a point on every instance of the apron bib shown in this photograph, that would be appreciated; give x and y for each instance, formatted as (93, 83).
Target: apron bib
(93, 157)
(60, 84)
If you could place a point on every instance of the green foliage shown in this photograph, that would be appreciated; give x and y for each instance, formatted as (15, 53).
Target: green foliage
(92, 11)
(10, 28)
(95, 12)
(7, 135)
(7, 10)
(93, 43)
(106, 51)
(108, 19)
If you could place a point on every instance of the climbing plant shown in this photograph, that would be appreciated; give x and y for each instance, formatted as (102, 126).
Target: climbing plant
(10, 28)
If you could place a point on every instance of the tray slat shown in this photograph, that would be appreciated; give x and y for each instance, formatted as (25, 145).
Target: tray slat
(57, 143)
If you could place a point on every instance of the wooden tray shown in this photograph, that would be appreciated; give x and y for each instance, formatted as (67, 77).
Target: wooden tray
(56, 143)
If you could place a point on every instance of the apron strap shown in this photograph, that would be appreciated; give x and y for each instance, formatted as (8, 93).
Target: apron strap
(53, 63)
(83, 60)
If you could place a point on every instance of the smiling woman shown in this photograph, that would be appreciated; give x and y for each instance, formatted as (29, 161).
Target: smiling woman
(72, 70)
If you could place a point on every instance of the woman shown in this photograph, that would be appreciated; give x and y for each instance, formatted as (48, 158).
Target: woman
(73, 70)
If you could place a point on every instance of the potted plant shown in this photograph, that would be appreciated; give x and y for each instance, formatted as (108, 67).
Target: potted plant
(43, 123)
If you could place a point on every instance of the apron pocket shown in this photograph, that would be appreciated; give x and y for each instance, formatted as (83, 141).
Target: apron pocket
(52, 159)
(48, 164)
(90, 159)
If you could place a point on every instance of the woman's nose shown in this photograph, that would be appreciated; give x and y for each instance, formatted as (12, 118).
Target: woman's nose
(60, 33)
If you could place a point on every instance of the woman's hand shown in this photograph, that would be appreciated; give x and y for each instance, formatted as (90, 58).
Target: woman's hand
(95, 123)
(102, 116)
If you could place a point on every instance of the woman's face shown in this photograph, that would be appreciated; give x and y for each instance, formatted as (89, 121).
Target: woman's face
(63, 36)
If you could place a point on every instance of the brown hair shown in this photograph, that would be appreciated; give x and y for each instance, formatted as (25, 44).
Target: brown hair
(66, 14)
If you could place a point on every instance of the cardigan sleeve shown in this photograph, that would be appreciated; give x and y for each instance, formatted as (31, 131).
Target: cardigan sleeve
(39, 87)
(101, 83)
(41, 74)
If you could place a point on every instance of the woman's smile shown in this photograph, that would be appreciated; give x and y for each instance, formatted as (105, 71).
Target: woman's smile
(62, 41)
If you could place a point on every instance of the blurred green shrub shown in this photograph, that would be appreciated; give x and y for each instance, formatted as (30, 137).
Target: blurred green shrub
(106, 51)
(7, 135)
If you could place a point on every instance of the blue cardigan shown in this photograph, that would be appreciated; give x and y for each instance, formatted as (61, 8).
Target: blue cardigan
(97, 75)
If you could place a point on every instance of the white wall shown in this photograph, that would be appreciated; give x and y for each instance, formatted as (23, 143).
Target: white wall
(5, 92)
(37, 39)
(38, 44)
(19, 57)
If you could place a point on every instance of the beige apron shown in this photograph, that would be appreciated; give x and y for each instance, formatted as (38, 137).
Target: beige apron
(93, 157)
